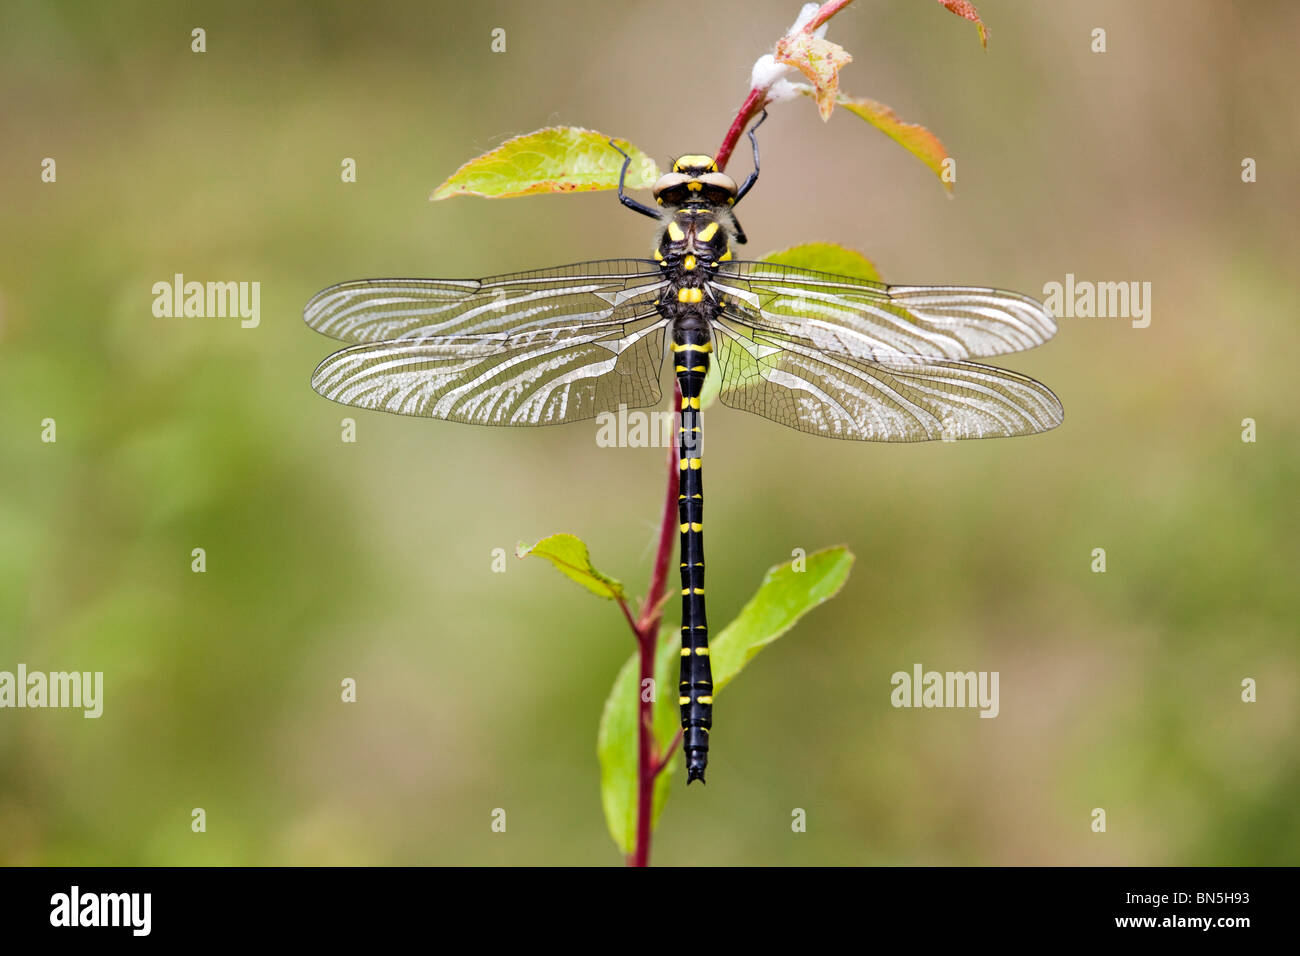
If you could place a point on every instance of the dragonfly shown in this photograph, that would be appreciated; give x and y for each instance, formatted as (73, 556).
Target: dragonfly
(825, 354)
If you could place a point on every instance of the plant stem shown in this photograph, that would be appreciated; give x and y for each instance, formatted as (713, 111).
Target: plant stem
(652, 609)
(753, 105)
(646, 628)
(827, 11)
(645, 759)
(757, 99)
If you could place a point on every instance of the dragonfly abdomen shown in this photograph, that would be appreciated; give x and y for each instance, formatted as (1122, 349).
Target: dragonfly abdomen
(691, 349)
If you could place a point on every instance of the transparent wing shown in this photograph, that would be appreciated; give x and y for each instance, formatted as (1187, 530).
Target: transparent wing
(539, 377)
(860, 319)
(895, 398)
(578, 296)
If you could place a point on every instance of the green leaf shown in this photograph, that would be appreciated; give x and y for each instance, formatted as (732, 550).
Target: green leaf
(616, 741)
(826, 257)
(914, 138)
(712, 385)
(820, 256)
(558, 159)
(784, 596)
(569, 554)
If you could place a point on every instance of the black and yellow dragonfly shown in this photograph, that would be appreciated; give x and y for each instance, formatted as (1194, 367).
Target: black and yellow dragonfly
(825, 354)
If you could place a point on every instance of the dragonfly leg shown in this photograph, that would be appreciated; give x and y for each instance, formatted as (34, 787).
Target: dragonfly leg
(625, 199)
(753, 177)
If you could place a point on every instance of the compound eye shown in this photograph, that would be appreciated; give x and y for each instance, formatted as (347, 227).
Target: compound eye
(718, 185)
(671, 188)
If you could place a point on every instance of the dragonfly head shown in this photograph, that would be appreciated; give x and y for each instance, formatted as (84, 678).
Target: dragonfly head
(695, 179)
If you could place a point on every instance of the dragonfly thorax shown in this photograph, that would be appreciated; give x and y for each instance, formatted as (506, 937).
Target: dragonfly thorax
(695, 236)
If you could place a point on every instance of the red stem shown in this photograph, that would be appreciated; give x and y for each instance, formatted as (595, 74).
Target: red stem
(827, 11)
(646, 627)
(757, 99)
(627, 614)
(753, 105)
(648, 764)
(668, 754)
(653, 607)
(645, 758)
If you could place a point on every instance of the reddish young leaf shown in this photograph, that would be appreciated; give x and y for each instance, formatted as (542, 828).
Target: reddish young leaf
(966, 9)
(819, 60)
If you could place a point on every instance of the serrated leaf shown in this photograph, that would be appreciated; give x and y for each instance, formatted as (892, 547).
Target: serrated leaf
(914, 138)
(784, 596)
(558, 159)
(569, 554)
(818, 59)
(966, 9)
(826, 257)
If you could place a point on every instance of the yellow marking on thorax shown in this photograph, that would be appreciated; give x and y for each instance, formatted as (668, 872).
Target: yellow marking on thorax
(708, 232)
(675, 232)
(688, 263)
(690, 295)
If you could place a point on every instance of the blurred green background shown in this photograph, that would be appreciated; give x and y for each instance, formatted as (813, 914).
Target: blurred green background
(372, 560)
